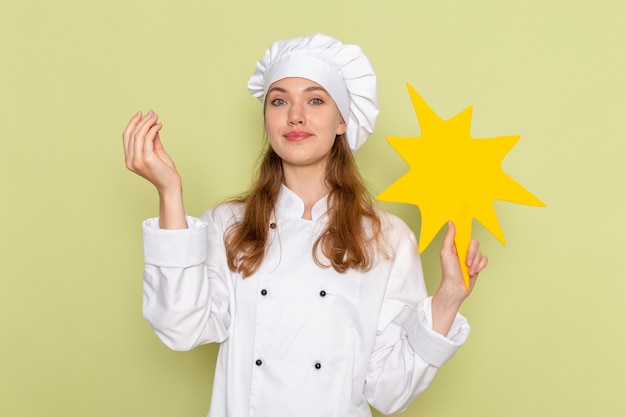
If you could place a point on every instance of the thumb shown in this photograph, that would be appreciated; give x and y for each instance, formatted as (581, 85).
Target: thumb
(158, 145)
(448, 240)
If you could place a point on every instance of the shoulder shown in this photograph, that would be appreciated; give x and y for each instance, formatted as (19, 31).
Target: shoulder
(224, 214)
(392, 226)
(394, 236)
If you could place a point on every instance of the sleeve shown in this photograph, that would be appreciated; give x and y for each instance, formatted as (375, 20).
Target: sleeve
(185, 293)
(407, 352)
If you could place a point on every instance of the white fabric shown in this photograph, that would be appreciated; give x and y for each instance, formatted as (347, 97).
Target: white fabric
(370, 333)
(343, 70)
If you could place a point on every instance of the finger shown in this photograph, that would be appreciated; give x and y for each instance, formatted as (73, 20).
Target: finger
(139, 136)
(144, 124)
(148, 146)
(141, 123)
(475, 261)
(479, 264)
(484, 261)
(158, 145)
(127, 134)
(472, 251)
(131, 125)
(448, 240)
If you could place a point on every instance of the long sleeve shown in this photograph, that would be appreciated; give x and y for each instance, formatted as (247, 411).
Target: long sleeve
(185, 295)
(407, 352)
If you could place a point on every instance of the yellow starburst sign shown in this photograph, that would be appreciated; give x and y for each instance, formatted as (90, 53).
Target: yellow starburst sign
(454, 177)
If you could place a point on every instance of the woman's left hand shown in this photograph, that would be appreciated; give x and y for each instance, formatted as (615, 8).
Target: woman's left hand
(452, 292)
(451, 275)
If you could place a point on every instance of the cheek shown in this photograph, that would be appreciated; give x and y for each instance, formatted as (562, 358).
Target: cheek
(270, 120)
(267, 124)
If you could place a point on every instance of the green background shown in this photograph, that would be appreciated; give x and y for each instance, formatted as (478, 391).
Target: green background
(547, 316)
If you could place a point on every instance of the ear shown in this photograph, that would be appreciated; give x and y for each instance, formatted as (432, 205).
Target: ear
(341, 129)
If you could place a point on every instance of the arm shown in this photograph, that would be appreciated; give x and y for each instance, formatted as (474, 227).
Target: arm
(408, 352)
(407, 357)
(185, 294)
(145, 156)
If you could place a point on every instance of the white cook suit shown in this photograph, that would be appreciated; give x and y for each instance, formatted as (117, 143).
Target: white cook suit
(297, 340)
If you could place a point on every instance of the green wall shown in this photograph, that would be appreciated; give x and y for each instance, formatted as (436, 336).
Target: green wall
(547, 316)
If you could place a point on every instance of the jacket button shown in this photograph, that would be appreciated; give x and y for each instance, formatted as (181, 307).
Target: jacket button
(318, 365)
(258, 362)
(322, 293)
(263, 292)
(272, 225)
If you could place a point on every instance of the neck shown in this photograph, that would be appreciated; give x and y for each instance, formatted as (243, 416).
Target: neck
(309, 183)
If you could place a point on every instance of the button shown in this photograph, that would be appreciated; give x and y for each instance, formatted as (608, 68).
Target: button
(322, 293)
(263, 292)
(272, 225)
(318, 365)
(259, 362)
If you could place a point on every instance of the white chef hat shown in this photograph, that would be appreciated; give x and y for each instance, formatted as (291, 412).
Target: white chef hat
(343, 70)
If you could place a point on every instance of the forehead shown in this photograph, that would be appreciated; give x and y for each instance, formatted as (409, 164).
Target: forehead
(295, 84)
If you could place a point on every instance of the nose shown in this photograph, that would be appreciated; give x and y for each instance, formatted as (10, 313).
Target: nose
(296, 115)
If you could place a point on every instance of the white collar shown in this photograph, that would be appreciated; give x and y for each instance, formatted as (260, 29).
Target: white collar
(291, 206)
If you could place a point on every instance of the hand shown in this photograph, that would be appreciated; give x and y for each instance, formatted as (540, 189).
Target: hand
(145, 154)
(452, 292)
(451, 275)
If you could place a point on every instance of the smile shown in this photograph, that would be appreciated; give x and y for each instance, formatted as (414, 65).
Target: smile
(297, 136)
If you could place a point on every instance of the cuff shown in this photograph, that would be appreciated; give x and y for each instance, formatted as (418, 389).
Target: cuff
(174, 248)
(434, 348)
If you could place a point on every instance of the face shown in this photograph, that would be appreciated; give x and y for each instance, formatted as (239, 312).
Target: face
(301, 121)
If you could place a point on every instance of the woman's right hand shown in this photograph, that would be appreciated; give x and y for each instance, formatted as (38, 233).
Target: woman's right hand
(145, 154)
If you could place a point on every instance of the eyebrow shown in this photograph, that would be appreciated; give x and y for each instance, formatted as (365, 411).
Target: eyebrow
(306, 90)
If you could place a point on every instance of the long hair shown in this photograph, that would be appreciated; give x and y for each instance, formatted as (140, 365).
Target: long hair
(351, 238)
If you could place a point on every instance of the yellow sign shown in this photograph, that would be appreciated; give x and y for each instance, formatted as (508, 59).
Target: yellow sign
(454, 177)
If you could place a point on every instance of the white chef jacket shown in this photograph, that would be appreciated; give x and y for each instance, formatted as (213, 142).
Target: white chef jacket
(296, 339)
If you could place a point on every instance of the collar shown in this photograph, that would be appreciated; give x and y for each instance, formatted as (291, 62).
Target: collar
(291, 206)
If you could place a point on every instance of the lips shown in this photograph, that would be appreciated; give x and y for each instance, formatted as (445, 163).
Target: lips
(297, 136)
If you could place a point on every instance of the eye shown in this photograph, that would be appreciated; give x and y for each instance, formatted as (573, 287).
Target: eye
(277, 102)
(317, 101)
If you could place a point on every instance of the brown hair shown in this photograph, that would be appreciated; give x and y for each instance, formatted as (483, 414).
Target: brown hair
(351, 237)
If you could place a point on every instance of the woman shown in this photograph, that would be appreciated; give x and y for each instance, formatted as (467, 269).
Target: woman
(316, 296)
